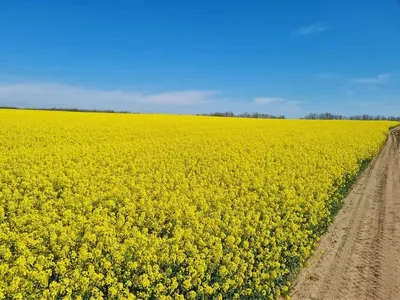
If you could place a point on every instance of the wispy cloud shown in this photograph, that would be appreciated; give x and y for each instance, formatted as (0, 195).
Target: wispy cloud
(31, 94)
(66, 96)
(278, 106)
(274, 100)
(381, 78)
(267, 100)
(180, 98)
(313, 29)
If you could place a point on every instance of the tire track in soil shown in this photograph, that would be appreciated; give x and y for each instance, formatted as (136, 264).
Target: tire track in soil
(359, 257)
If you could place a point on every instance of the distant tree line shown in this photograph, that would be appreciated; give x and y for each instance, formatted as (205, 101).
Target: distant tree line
(215, 114)
(230, 114)
(365, 117)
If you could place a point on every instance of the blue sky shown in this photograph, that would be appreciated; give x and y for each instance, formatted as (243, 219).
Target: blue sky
(281, 57)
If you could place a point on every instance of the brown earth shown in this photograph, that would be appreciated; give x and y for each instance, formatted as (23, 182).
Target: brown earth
(359, 257)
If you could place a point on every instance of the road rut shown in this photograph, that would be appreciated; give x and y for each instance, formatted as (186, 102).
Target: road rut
(359, 257)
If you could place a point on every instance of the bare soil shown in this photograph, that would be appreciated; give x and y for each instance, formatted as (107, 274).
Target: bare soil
(359, 257)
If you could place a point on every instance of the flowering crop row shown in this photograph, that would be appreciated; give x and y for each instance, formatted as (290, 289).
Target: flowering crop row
(99, 206)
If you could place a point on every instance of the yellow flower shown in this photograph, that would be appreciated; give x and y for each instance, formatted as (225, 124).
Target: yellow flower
(168, 207)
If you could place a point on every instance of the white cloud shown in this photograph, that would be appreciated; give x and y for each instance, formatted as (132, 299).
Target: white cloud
(180, 97)
(381, 78)
(48, 95)
(267, 100)
(313, 28)
(273, 100)
(278, 106)
(66, 96)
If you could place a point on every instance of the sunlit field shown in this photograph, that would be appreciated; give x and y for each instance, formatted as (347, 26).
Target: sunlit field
(168, 207)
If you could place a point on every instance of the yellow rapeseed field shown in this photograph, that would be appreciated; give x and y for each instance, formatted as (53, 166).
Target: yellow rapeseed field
(111, 206)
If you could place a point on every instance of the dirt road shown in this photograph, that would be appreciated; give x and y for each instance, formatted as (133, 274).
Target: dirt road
(359, 258)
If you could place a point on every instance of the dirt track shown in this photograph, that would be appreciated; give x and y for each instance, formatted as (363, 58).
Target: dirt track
(359, 258)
